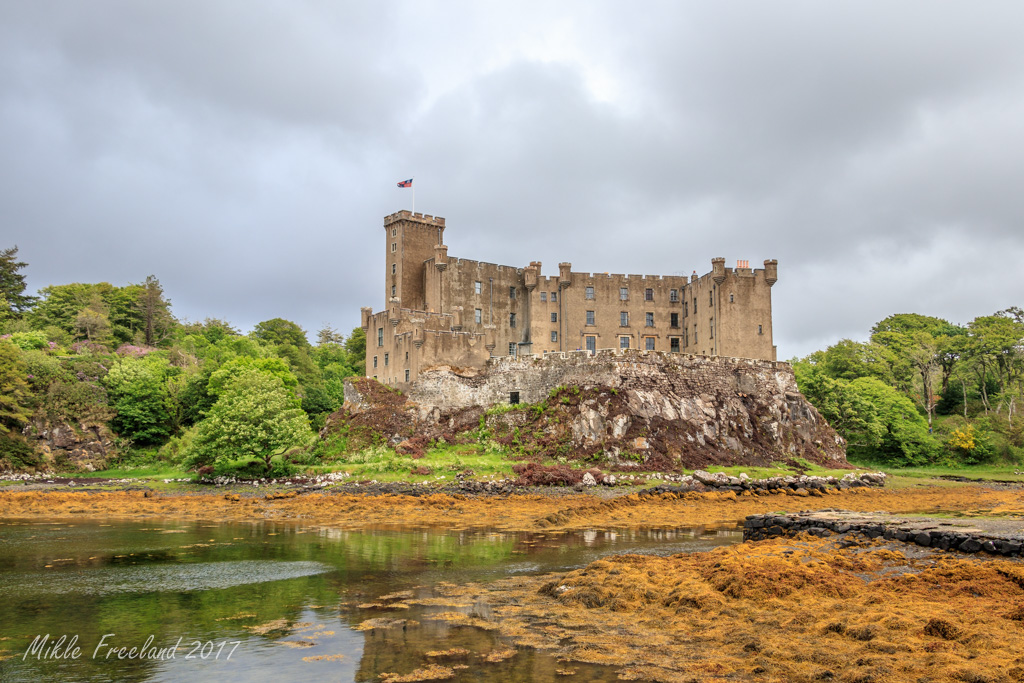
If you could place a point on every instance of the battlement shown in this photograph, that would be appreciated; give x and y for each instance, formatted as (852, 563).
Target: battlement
(426, 219)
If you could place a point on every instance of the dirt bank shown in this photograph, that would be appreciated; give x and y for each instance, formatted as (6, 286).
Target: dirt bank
(513, 513)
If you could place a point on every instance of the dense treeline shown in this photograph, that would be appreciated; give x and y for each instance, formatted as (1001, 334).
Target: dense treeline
(102, 358)
(925, 391)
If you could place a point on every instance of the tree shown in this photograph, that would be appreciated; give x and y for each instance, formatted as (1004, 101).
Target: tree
(329, 335)
(356, 347)
(93, 321)
(280, 331)
(15, 393)
(255, 417)
(157, 321)
(12, 282)
(138, 392)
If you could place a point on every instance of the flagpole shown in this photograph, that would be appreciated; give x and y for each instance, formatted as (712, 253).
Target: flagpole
(414, 195)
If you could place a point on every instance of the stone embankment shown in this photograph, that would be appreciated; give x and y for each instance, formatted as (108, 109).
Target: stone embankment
(995, 537)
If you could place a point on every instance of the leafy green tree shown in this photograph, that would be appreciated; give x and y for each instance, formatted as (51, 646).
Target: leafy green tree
(15, 392)
(138, 393)
(223, 377)
(356, 347)
(12, 283)
(93, 321)
(254, 417)
(280, 331)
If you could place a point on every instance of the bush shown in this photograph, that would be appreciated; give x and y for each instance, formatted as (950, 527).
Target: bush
(17, 455)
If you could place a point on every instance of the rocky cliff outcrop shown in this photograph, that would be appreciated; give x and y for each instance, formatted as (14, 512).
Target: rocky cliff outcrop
(664, 410)
(63, 446)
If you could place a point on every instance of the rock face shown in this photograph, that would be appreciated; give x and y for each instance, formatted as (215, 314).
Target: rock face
(666, 410)
(85, 448)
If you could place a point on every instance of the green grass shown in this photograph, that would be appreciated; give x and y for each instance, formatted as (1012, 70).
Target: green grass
(383, 464)
(154, 471)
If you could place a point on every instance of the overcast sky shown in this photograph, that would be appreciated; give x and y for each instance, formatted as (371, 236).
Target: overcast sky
(246, 152)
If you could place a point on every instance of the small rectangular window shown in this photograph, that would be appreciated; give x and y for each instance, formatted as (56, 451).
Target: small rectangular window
(590, 318)
(554, 317)
(543, 296)
(623, 342)
(392, 290)
(624, 318)
(649, 343)
(394, 247)
(394, 231)
(406, 375)
(380, 336)
(478, 315)
(375, 362)
(394, 268)
(592, 344)
(674, 319)
(407, 355)
(385, 360)
(511, 319)
(711, 327)
(511, 292)
(673, 295)
(554, 336)
(731, 299)
(648, 294)
(760, 330)
(554, 296)
(511, 348)
(650, 320)
(623, 293)
(513, 397)
(476, 287)
(590, 292)
(711, 299)
(673, 344)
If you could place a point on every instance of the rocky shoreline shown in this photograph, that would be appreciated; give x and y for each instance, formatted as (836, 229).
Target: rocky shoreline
(1004, 538)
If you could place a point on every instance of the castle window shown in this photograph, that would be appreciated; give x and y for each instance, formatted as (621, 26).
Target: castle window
(407, 355)
(554, 336)
(380, 336)
(624, 319)
(511, 292)
(731, 299)
(375, 362)
(711, 299)
(590, 292)
(623, 293)
(554, 317)
(686, 308)
(711, 327)
(623, 342)
(590, 318)
(674, 319)
(649, 343)
(695, 305)
(650, 320)
(394, 268)
(392, 290)
(511, 319)
(478, 315)
(513, 398)
(406, 375)
(394, 232)
(385, 360)
(760, 330)
(476, 287)
(511, 348)
(543, 296)
(592, 344)
(554, 296)
(648, 294)
(673, 344)
(394, 247)
(673, 295)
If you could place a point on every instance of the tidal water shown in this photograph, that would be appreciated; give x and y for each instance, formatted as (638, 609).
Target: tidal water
(268, 601)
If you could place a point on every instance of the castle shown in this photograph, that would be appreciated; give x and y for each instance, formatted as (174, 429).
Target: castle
(456, 312)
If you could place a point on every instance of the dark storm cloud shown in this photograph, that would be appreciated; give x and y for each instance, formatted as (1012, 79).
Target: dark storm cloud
(245, 153)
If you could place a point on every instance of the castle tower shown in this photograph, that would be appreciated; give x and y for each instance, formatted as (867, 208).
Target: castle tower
(410, 240)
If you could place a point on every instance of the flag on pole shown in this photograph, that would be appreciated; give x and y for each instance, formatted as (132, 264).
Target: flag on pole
(405, 183)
